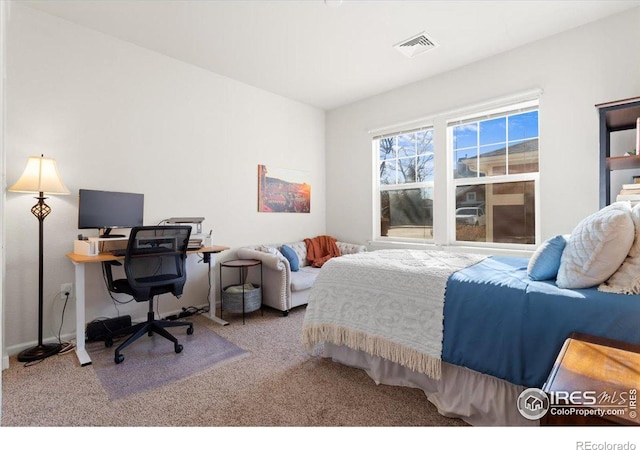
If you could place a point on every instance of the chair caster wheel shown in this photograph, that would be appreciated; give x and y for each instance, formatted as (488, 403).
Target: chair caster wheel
(108, 342)
(190, 330)
(118, 359)
(178, 348)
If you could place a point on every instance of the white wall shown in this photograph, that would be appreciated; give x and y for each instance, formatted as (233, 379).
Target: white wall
(3, 19)
(118, 117)
(576, 69)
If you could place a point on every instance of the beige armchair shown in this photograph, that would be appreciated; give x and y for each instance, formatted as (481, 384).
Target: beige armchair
(282, 288)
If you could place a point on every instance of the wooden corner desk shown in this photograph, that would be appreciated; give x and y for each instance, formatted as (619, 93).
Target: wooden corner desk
(79, 262)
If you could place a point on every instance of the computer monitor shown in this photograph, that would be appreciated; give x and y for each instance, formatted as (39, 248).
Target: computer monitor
(105, 210)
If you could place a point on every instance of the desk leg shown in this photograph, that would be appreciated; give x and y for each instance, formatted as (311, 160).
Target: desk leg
(212, 301)
(81, 352)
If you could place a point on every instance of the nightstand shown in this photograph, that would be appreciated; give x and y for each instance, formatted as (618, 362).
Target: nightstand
(594, 381)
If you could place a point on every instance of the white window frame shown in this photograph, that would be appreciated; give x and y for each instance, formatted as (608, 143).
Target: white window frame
(377, 230)
(453, 183)
(444, 203)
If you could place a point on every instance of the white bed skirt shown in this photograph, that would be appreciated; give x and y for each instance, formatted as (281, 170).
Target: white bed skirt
(476, 398)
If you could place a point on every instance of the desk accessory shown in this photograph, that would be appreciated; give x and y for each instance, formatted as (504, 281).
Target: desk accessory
(85, 247)
(208, 239)
(197, 239)
(40, 176)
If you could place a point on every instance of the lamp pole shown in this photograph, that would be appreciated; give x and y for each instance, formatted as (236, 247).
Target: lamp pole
(41, 210)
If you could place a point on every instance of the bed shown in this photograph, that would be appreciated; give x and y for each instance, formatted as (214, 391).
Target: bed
(472, 331)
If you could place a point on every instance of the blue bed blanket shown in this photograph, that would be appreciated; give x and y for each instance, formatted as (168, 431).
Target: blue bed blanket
(499, 322)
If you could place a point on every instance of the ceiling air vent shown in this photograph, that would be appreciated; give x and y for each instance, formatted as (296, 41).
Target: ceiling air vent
(415, 45)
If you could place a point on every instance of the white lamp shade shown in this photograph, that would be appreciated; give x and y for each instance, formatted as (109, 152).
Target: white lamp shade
(40, 175)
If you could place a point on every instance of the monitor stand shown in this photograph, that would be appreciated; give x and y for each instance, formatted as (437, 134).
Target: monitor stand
(107, 234)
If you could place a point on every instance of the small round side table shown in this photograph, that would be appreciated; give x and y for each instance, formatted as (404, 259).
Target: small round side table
(254, 303)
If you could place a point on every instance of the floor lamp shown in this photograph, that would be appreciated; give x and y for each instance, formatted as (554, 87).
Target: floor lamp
(40, 176)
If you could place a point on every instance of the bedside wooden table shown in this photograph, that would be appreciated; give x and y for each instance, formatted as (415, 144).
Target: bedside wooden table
(594, 381)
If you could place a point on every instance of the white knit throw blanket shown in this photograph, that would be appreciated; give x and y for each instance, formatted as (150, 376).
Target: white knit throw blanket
(387, 303)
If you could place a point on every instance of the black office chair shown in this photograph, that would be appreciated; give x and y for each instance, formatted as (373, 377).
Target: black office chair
(154, 264)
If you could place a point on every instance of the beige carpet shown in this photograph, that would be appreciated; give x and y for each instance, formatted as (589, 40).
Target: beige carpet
(151, 362)
(277, 384)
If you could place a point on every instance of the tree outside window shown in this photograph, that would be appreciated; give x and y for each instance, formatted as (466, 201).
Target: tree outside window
(406, 167)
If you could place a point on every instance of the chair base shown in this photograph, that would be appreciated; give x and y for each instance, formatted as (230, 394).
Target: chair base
(149, 328)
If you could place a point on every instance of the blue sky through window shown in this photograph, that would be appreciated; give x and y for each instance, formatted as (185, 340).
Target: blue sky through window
(491, 146)
(494, 131)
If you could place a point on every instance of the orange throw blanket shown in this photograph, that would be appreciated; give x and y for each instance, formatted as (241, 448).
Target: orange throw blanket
(320, 249)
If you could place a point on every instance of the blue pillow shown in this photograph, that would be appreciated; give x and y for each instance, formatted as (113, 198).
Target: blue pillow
(291, 256)
(545, 262)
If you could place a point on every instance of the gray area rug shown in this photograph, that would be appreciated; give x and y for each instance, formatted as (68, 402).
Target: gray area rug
(151, 362)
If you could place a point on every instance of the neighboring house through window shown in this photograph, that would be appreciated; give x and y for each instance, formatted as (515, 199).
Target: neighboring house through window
(495, 171)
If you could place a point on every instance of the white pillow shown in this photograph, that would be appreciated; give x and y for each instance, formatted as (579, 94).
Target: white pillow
(626, 280)
(597, 247)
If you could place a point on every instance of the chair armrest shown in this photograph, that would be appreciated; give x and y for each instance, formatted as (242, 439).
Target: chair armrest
(271, 261)
(277, 277)
(347, 248)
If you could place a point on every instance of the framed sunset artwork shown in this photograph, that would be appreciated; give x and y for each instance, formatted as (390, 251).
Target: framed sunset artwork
(283, 190)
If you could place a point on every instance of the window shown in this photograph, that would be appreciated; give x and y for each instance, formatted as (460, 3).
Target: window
(495, 171)
(485, 161)
(406, 169)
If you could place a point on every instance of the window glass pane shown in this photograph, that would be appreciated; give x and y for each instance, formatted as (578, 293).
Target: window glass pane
(425, 168)
(465, 136)
(465, 164)
(523, 126)
(388, 172)
(406, 145)
(406, 170)
(493, 160)
(497, 156)
(499, 212)
(407, 213)
(493, 131)
(407, 158)
(386, 148)
(523, 156)
(425, 142)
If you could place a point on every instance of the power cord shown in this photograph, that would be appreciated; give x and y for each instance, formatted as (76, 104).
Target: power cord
(65, 347)
(115, 300)
(187, 312)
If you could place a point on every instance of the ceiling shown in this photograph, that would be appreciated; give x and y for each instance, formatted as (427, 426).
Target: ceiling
(328, 55)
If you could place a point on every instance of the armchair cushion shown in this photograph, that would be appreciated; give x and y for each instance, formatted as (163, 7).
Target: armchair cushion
(303, 279)
(292, 257)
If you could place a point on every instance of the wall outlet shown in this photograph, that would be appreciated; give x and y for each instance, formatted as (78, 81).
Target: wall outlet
(66, 287)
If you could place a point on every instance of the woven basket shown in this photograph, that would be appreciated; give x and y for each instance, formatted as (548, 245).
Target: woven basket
(232, 301)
